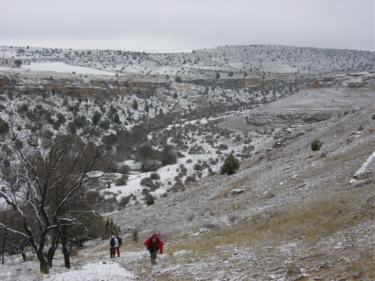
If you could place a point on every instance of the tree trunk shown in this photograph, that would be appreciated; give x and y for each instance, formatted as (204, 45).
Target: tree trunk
(24, 257)
(65, 250)
(3, 247)
(66, 254)
(43, 262)
(44, 266)
(52, 249)
(50, 255)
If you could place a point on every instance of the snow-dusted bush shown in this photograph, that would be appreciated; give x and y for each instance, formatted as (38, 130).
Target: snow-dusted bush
(111, 227)
(148, 182)
(17, 63)
(110, 139)
(96, 118)
(125, 169)
(149, 199)
(4, 127)
(22, 108)
(135, 237)
(198, 167)
(122, 180)
(168, 156)
(105, 124)
(190, 179)
(155, 176)
(150, 165)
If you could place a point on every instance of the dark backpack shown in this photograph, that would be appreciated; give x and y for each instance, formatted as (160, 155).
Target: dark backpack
(154, 243)
(112, 242)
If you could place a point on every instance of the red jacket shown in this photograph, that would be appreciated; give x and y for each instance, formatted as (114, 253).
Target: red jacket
(154, 242)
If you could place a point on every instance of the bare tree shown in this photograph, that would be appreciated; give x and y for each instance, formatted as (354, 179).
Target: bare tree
(42, 188)
(11, 244)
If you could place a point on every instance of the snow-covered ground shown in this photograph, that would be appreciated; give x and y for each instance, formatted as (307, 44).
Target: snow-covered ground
(94, 272)
(92, 265)
(64, 68)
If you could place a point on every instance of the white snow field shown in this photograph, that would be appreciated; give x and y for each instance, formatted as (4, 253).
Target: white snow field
(65, 68)
(94, 272)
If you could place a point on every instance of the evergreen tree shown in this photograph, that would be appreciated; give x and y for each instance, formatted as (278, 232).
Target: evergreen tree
(230, 166)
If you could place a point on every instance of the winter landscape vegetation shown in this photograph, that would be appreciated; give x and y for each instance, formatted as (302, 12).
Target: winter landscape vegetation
(252, 162)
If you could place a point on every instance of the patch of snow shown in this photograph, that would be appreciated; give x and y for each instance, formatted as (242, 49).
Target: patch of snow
(95, 174)
(94, 272)
(364, 168)
(65, 68)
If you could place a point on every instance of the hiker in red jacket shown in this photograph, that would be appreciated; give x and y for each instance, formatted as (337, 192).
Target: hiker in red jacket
(153, 245)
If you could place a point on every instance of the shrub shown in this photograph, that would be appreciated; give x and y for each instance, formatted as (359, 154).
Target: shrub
(6, 163)
(60, 118)
(146, 152)
(149, 199)
(96, 118)
(316, 145)
(135, 105)
(147, 182)
(230, 166)
(110, 139)
(104, 124)
(217, 75)
(113, 115)
(23, 108)
(155, 176)
(223, 147)
(80, 122)
(125, 200)
(198, 167)
(135, 237)
(183, 171)
(4, 127)
(168, 156)
(18, 63)
(111, 227)
(373, 117)
(178, 79)
(190, 179)
(122, 180)
(125, 169)
(150, 165)
(72, 128)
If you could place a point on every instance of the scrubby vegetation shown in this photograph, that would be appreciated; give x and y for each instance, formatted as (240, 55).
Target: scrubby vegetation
(316, 145)
(230, 166)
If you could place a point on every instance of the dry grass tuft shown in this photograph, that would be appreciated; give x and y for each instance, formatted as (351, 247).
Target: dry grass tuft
(362, 268)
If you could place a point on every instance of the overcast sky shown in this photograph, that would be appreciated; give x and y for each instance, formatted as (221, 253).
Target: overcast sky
(172, 25)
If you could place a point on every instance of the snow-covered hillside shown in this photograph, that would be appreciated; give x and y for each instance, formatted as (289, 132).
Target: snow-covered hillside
(125, 112)
(228, 61)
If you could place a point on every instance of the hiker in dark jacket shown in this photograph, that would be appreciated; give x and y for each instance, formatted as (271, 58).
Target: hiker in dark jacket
(153, 245)
(113, 243)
